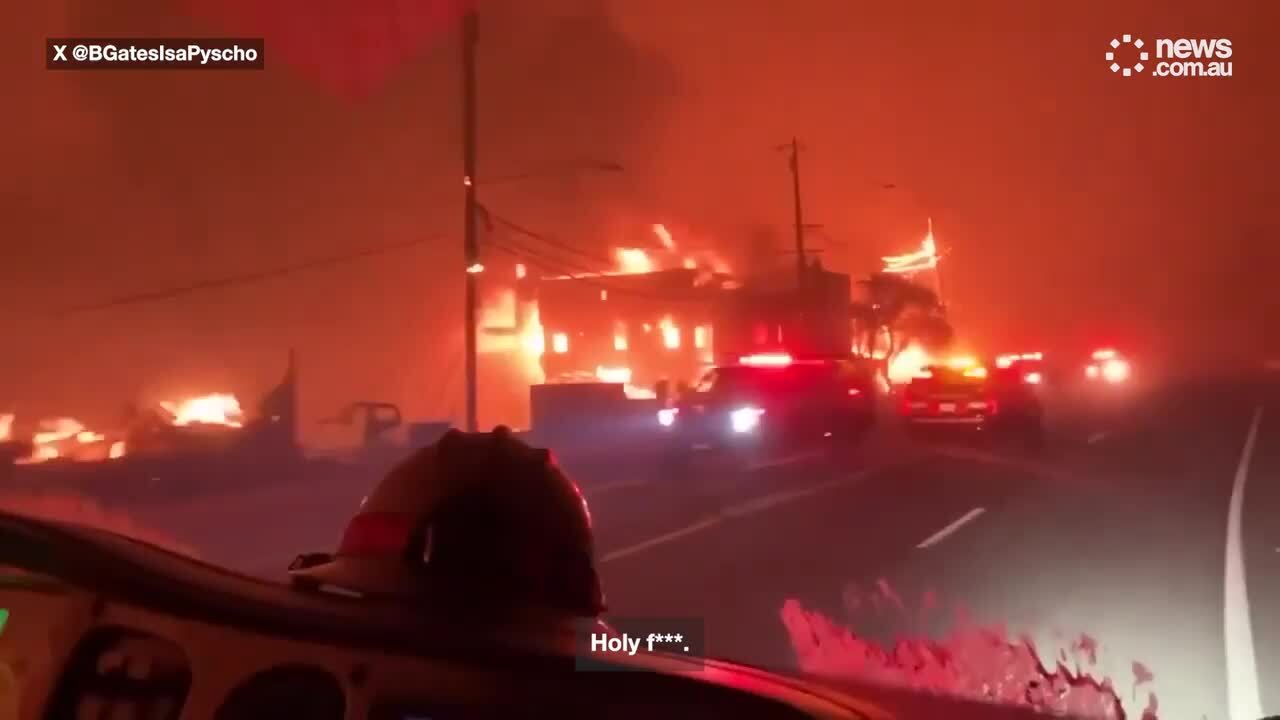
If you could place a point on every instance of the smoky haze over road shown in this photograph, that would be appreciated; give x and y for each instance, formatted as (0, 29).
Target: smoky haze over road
(1080, 206)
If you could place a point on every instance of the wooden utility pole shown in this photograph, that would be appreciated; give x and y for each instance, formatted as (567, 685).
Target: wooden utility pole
(470, 246)
(801, 269)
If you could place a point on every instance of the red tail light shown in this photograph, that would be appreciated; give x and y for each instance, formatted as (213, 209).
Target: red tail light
(377, 533)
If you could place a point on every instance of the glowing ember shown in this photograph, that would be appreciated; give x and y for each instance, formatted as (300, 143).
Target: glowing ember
(6, 426)
(214, 409)
(117, 450)
(633, 261)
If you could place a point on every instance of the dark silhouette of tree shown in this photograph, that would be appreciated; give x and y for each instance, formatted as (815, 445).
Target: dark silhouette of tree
(900, 311)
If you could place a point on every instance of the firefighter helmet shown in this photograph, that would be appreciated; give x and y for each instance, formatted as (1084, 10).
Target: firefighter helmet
(482, 519)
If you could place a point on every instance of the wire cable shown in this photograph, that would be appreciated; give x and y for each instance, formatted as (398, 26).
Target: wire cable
(242, 279)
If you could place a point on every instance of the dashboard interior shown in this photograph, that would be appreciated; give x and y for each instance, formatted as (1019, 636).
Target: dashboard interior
(131, 663)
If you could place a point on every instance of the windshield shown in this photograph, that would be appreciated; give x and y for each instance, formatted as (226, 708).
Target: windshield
(239, 287)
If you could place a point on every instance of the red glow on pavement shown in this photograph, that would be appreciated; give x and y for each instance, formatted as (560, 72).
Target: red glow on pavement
(970, 661)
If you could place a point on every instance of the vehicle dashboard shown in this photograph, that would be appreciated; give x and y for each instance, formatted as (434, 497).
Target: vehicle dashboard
(78, 650)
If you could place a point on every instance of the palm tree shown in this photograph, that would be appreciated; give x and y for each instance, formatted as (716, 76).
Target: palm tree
(901, 311)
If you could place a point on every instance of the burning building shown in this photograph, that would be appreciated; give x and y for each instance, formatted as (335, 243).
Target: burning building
(199, 424)
(659, 315)
(777, 313)
(631, 329)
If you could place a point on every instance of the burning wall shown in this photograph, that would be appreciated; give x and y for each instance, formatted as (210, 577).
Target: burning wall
(639, 308)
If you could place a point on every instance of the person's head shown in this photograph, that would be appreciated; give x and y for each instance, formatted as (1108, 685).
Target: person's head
(480, 519)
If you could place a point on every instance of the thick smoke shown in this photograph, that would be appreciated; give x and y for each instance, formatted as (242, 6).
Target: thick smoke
(179, 177)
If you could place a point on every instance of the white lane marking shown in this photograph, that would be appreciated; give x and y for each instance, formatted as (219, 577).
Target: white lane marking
(1244, 700)
(740, 510)
(1096, 437)
(958, 523)
(703, 524)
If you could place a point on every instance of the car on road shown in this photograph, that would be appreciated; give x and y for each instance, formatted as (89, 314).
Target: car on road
(967, 395)
(773, 402)
(1108, 367)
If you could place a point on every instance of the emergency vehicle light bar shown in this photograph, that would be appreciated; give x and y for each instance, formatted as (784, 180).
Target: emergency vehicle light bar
(766, 360)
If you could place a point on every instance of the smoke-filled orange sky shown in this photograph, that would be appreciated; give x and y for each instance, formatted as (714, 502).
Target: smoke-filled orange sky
(1078, 205)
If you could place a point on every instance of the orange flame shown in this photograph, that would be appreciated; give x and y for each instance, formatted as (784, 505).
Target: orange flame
(522, 348)
(670, 333)
(59, 437)
(634, 392)
(212, 409)
(6, 426)
(56, 429)
(531, 340)
(664, 235)
(908, 363)
(620, 375)
(925, 258)
(633, 261)
(117, 450)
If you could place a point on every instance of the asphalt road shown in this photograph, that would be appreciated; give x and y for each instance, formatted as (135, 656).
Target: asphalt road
(1148, 527)
(1121, 529)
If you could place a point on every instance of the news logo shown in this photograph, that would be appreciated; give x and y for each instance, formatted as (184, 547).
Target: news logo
(1174, 57)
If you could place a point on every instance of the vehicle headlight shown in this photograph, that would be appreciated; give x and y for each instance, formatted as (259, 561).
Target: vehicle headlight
(745, 419)
(667, 416)
(1115, 371)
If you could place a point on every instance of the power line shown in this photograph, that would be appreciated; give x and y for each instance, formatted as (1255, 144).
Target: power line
(242, 279)
(560, 245)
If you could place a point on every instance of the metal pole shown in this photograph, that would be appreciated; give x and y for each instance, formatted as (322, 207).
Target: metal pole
(470, 248)
(937, 267)
(795, 185)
